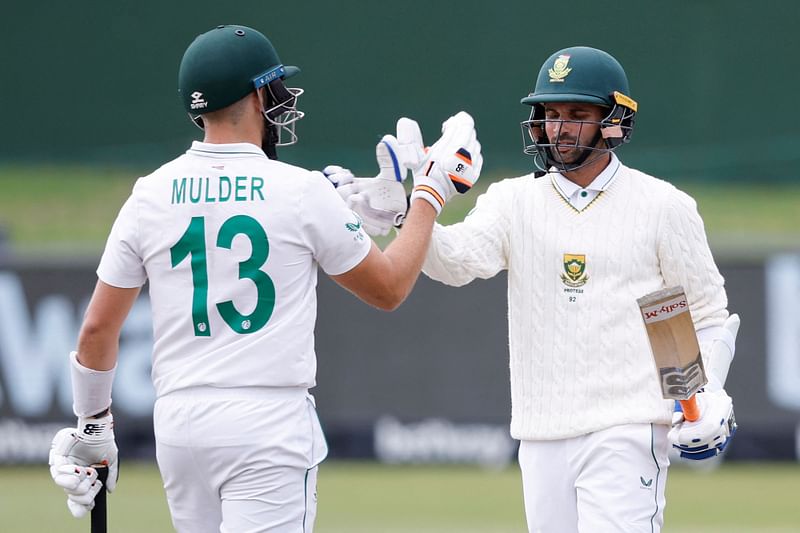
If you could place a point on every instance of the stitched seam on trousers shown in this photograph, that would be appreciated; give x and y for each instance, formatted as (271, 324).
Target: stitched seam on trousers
(305, 500)
(658, 473)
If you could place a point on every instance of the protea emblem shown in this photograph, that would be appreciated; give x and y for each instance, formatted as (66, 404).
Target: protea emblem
(560, 69)
(574, 270)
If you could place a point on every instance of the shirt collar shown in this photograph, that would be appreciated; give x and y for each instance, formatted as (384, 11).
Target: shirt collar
(225, 150)
(599, 184)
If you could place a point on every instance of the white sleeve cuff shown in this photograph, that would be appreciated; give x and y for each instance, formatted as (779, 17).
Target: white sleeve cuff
(91, 389)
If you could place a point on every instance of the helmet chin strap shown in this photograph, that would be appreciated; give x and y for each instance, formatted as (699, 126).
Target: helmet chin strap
(270, 140)
(271, 136)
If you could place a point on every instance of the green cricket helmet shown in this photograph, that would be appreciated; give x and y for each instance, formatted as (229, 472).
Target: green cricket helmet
(225, 64)
(579, 74)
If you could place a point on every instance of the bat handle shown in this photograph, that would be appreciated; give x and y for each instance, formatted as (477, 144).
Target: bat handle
(690, 410)
(99, 520)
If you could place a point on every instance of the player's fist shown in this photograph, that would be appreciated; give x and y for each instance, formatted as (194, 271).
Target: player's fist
(453, 163)
(337, 175)
(72, 453)
(711, 433)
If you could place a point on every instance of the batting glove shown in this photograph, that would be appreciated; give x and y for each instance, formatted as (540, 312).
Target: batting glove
(711, 433)
(381, 201)
(453, 164)
(338, 175)
(72, 453)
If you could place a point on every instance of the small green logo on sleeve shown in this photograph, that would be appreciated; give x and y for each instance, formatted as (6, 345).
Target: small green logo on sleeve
(355, 227)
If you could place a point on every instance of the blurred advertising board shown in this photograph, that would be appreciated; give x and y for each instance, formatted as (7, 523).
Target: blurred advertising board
(426, 383)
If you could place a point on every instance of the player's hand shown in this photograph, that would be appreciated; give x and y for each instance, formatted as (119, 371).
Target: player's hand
(338, 175)
(401, 153)
(711, 433)
(453, 164)
(72, 453)
(381, 201)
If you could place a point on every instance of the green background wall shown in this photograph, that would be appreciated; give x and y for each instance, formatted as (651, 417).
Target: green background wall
(95, 82)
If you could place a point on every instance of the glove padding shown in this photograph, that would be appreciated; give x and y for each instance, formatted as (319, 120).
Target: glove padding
(710, 434)
(381, 201)
(72, 453)
(338, 175)
(453, 163)
(718, 349)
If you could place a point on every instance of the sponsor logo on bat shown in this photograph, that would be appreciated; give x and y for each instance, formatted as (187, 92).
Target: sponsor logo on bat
(665, 310)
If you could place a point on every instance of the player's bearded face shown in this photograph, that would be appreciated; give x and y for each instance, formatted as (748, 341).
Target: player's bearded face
(571, 128)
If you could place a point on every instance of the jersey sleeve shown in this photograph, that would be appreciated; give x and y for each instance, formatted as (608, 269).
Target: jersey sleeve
(686, 260)
(121, 265)
(475, 248)
(334, 232)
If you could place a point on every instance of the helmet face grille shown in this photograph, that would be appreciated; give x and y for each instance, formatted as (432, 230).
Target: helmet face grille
(615, 129)
(283, 113)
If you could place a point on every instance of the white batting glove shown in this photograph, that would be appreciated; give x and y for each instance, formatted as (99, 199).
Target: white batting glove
(338, 175)
(381, 201)
(405, 151)
(718, 345)
(710, 434)
(72, 453)
(453, 163)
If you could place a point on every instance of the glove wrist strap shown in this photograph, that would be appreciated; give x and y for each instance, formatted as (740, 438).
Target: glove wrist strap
(425, 192)
(92, 429)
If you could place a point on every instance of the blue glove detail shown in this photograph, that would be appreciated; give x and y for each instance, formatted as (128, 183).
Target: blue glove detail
(711, 434)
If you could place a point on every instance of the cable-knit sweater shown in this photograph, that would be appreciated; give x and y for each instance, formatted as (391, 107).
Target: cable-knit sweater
(579, 355)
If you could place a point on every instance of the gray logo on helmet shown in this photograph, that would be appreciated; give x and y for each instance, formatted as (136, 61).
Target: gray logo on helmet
(198, 102)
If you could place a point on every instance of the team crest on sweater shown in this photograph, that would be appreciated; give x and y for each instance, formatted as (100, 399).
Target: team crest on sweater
(574, 274)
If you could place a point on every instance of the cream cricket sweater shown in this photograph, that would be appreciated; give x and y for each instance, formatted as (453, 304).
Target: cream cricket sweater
(579, 356)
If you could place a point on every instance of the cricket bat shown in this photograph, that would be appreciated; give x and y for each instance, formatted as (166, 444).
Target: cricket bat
(673, 341)
(99, 515)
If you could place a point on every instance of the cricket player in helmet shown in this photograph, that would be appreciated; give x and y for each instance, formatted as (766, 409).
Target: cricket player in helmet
(230, 241)
(582, 238)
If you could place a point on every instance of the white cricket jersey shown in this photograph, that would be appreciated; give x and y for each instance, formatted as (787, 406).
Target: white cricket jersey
(230, 241)
(580, 360)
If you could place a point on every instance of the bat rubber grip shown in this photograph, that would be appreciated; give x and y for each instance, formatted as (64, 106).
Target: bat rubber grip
(99, 521)
(690, 410)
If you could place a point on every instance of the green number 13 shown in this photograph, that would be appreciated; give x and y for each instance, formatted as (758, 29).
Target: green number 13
(193, 244)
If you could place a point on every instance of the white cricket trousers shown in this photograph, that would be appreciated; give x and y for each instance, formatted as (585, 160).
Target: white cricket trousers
(609, 481)
(239, 460)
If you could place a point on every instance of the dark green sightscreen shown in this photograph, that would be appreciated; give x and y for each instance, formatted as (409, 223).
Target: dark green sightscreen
(714, 79)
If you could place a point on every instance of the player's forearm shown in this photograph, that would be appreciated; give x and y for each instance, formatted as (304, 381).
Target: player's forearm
(97, 347)
(384, 279)
(407, 252)
(98, 341)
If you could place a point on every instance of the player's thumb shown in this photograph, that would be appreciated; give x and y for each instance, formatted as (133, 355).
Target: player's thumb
(78, 510)
(408, 132)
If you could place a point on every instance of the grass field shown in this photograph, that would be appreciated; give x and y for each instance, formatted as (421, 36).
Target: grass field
(69, 210)
(370, 498)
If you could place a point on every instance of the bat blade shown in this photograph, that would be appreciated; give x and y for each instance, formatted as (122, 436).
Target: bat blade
(673, 341)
